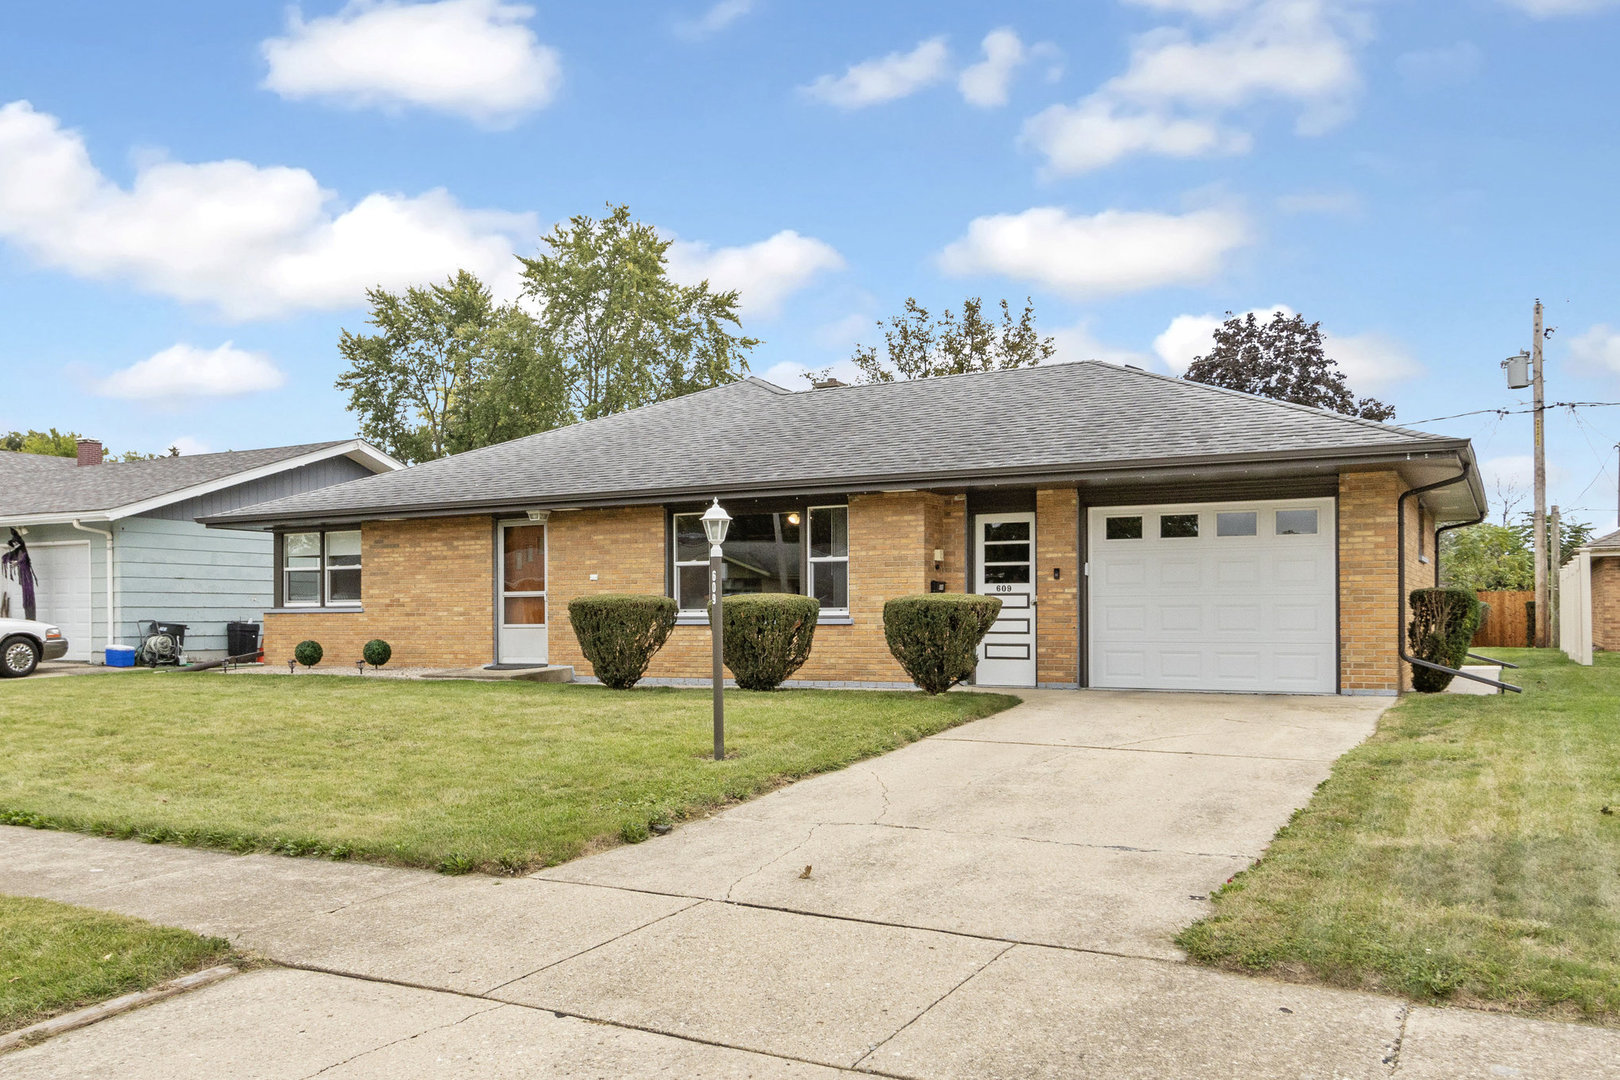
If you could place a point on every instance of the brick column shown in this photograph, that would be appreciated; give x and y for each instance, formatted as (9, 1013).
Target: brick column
(1057, 547)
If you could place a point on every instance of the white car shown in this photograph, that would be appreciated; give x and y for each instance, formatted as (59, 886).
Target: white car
(24, 643)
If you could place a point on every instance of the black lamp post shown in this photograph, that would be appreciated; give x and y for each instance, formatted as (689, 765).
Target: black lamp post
(715, 523)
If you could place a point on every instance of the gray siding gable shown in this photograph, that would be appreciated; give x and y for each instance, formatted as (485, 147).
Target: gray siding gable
(338, 470)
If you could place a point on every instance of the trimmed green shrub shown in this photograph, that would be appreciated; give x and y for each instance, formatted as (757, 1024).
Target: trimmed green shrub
(1443, 625)
(767, 636)
(936, 636)
(620, 632)
(377, 652)
(308, 653)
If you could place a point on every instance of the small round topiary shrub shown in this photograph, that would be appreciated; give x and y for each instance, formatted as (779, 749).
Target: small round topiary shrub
(620, 632)
(936, 636)
(1443, 625)
(308, 653)
(377, 652)
(767, 636)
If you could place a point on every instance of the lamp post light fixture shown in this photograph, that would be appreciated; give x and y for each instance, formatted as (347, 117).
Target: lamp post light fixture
(715, 523)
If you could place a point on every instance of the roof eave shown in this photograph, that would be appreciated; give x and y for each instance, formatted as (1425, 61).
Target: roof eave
(1141, 470)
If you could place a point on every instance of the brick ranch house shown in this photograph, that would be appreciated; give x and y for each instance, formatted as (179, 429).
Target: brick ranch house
(1145, 532)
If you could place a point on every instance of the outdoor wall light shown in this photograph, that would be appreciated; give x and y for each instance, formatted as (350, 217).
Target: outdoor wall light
(793, 519)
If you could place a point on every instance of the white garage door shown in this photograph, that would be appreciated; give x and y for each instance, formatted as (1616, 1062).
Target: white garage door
(62, 595)
(1235, 596)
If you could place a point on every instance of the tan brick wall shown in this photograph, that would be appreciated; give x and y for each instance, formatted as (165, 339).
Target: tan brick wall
(1606, 602)
(427, 588)
(1368, 579)
(1057, 547)
(891, 554)
(946, 530)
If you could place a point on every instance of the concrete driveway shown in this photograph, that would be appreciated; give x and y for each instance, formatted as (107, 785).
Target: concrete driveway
(1095, 820)
(997, 901)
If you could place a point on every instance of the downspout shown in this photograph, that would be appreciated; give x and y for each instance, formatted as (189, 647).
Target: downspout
(112, 614)
(1400, 578)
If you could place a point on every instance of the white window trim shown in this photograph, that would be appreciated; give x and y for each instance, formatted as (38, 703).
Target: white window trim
(677, 562)
(685, 615)
(319, 570)
(323, 573)
(812, 560)
(545, 569)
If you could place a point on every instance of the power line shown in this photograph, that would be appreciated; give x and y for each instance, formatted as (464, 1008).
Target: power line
(1572, 405)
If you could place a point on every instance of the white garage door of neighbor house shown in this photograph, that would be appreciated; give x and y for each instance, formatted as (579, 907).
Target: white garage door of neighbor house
(62, 594)
(1239, 596)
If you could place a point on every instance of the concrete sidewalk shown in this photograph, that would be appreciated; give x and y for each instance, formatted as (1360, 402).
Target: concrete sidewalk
(996, 901)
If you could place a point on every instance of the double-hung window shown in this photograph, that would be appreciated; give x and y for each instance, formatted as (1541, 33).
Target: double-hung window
(829, 556)
(770, 552)
(321, 569)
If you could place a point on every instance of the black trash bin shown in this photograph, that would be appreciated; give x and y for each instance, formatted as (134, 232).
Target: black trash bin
(241, 638)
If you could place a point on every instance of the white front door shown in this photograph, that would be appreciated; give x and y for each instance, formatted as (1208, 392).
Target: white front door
(1239, 596)
(1004, 553)
(522, 599)
(62, 593)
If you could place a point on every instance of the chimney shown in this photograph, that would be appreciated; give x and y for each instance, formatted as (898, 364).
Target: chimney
(89, 451)
(826, 384)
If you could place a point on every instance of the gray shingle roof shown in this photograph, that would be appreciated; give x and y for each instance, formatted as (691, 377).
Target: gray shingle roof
(32, 484)
(1610, 540)
(752, 436)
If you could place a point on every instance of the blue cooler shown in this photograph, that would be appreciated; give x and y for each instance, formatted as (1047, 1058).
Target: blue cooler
(120, 656)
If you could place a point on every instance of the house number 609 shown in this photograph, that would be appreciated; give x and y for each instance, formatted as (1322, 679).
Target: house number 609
(1003, 588)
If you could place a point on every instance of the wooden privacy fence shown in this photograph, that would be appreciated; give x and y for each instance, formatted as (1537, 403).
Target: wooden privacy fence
(1507, 624)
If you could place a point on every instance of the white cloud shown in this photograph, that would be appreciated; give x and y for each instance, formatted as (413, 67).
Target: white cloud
(886, 78)
(248, 241)
(986, 83)
(1096, 132)
(185, 371)
(1442, 65)
(1369, 361)
(764, 274)
(1518, 470)
(473, 58)
(1291, 49)
(1115, 251)
(1597, 350)
(1546, 9)
(1171, 99)
(187, 444)
(719, 16)
(853, 329)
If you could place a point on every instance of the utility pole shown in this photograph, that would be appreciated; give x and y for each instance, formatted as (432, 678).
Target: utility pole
(1556, 545)
(1542, 621)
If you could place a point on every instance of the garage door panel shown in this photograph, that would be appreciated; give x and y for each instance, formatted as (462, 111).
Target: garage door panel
(1252, 609)
(62, 593)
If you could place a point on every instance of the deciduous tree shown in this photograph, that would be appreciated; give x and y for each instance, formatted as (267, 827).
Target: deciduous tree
(1282, 359)
(917, 345)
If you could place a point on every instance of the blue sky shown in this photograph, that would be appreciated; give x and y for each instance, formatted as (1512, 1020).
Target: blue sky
(176, 178)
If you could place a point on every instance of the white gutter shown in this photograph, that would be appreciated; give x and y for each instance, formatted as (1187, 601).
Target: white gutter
(112, 612)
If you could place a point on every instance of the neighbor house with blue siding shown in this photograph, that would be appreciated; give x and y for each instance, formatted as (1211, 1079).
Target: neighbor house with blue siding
(116, 544)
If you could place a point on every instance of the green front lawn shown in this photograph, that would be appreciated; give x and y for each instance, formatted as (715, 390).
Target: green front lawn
(55, 957)
(1469, 851)
(454, 775)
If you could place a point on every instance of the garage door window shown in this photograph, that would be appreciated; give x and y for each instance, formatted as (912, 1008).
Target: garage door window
(1237, 523)
(1296, 523)
(1178, 526)
(1123, 528)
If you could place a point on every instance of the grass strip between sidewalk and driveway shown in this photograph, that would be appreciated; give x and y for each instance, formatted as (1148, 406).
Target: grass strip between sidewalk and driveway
(56, 957)
(1468, 852)
(504, 777)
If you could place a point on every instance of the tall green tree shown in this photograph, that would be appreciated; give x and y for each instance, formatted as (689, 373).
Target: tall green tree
(623, 333)
(53, 443)
(1501, 557)
(448, 370)
(1282, 359)
(917, 345)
